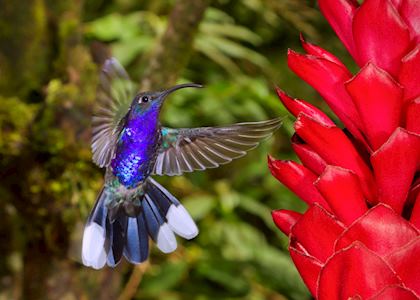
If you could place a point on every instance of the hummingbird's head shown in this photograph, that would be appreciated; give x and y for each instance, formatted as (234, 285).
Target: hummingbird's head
(152, 101)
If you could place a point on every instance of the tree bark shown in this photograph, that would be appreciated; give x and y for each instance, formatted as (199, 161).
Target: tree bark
(175, 46)
(23, 55)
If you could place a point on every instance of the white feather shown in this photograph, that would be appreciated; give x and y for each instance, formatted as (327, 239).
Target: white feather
(93, 252)
(181, 222)
(166, 240)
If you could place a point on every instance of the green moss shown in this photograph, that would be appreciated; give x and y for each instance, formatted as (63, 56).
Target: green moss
(15, 118)
(24, 47)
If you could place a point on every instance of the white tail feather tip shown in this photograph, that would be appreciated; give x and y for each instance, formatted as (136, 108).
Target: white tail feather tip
(93, 252)
(166, 240)
(181, 222)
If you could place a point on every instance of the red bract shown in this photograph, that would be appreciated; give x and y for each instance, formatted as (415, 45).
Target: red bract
(360, 236)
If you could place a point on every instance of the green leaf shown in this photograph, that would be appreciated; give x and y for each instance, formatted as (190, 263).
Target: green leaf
(225, 274)
(199, 206)
(257, 208)
(111, 27)
(164, 277)
(127, 50)
(212, 52)
(236, 50)
(277, 270)
(231, 31)
(242, 241)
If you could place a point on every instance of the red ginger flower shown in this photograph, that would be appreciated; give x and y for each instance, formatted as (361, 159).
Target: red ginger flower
(360, 237)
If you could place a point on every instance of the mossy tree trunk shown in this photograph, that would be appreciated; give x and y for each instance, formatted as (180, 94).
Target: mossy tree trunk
(24, 46)
(45, 67)
(175, 46)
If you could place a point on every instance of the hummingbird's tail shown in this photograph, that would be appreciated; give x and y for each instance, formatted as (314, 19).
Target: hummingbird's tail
(106, 240)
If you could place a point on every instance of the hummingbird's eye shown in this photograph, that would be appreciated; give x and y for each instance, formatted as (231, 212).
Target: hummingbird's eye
(144, 99)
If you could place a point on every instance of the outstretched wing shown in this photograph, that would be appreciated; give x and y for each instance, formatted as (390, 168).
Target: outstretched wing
(189, 149)
(115, 94)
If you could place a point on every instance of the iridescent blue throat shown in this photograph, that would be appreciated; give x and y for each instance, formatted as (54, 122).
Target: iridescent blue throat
(137, 146)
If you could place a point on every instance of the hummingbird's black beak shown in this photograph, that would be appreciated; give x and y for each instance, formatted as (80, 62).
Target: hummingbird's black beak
(165, 93)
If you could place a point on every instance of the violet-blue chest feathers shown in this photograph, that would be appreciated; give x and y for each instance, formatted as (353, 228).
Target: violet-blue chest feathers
(138, 143)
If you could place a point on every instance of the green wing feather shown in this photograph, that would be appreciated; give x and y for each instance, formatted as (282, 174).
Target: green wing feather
(189, 149)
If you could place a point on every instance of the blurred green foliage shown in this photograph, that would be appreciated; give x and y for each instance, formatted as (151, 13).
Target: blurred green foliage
(239, 55)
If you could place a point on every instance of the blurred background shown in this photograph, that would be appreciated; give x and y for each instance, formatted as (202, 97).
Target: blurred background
(50, 56)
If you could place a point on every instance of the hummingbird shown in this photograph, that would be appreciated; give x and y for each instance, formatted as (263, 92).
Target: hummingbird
(131, 144)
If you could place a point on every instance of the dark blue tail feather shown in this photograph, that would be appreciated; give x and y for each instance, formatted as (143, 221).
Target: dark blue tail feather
(109, 237)
(137, 240)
